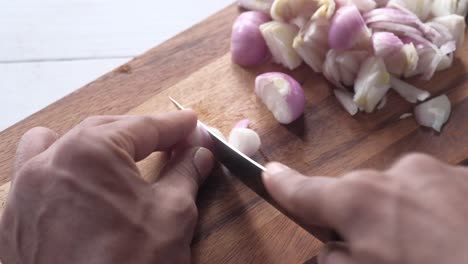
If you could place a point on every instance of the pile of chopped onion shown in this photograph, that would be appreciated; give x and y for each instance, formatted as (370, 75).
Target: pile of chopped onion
(363, 47)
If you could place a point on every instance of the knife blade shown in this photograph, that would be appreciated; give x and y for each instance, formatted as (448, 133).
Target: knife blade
(250, 173)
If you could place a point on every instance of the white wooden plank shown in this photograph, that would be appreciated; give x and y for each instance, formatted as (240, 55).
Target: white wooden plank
(57, 29)
(29, 87)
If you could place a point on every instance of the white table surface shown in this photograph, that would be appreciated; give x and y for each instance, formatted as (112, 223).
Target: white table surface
(49, 48)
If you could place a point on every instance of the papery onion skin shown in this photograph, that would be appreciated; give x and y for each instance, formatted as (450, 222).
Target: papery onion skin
(248, 48)
(348, 29)
(282, 95)
(245, 140)
(434, 113)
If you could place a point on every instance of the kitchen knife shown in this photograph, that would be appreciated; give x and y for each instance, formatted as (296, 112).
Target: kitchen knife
(250, 173)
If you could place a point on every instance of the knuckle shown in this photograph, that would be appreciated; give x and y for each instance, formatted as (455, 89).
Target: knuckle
(82, 144)
(415, 159)
(91, 121)
(357, 193)
(32, 173)
(182, 206)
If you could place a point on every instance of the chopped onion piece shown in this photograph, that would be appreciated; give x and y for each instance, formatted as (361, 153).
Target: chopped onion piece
(455, 24)
(406, 115)
(433, 113)
(282, 95)
(297, 12)
(372, 84)
(312, 41)
(408, 91)
(386, 43)
(346, 100)
(279, 37)
(348, 29)
(421, 8)
(446, 62)
(256, 5)
(248, 48)
(362, 5)
(245, 140)
(449, 7)
(244, 123)
(382, 103)
(341, 68)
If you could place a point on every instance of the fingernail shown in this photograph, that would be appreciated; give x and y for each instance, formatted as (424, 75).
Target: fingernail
(203, 161)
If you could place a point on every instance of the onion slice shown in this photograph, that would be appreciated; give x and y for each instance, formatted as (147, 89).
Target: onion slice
(372, 84)
(433, 113)
(245, 140)
(348, 29)
(282, 95)
(411, 93)
(346, 100)
(279, 37)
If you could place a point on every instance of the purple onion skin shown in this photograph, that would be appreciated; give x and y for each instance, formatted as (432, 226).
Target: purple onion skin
(346, 24)
(248, 48)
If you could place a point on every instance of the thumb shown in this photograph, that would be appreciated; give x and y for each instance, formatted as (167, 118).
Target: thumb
(305, 199)
(32, 143)
(335, 253)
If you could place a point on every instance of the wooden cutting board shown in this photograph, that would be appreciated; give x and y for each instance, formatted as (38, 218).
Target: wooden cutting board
(236, 225)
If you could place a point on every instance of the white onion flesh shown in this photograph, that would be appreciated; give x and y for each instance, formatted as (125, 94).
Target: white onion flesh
(297, 12)
(406, 115)
(312, 41)
(455, 24)
(279, 37)
(372, 84)
(282, 95)
(346, 100)
(411, 93)
(256, 5)
(245, 140)
(433, 113)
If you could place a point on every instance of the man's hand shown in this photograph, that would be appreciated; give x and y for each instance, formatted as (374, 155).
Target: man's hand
(415, 212)
(81, 199)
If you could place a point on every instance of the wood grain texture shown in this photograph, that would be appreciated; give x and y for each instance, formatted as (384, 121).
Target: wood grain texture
(236, 225)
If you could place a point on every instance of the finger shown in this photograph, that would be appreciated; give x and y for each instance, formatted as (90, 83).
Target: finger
(100, 120)
(32, 143)
(303, 197)
(335, 253)
(139, 136)
(186, 171)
